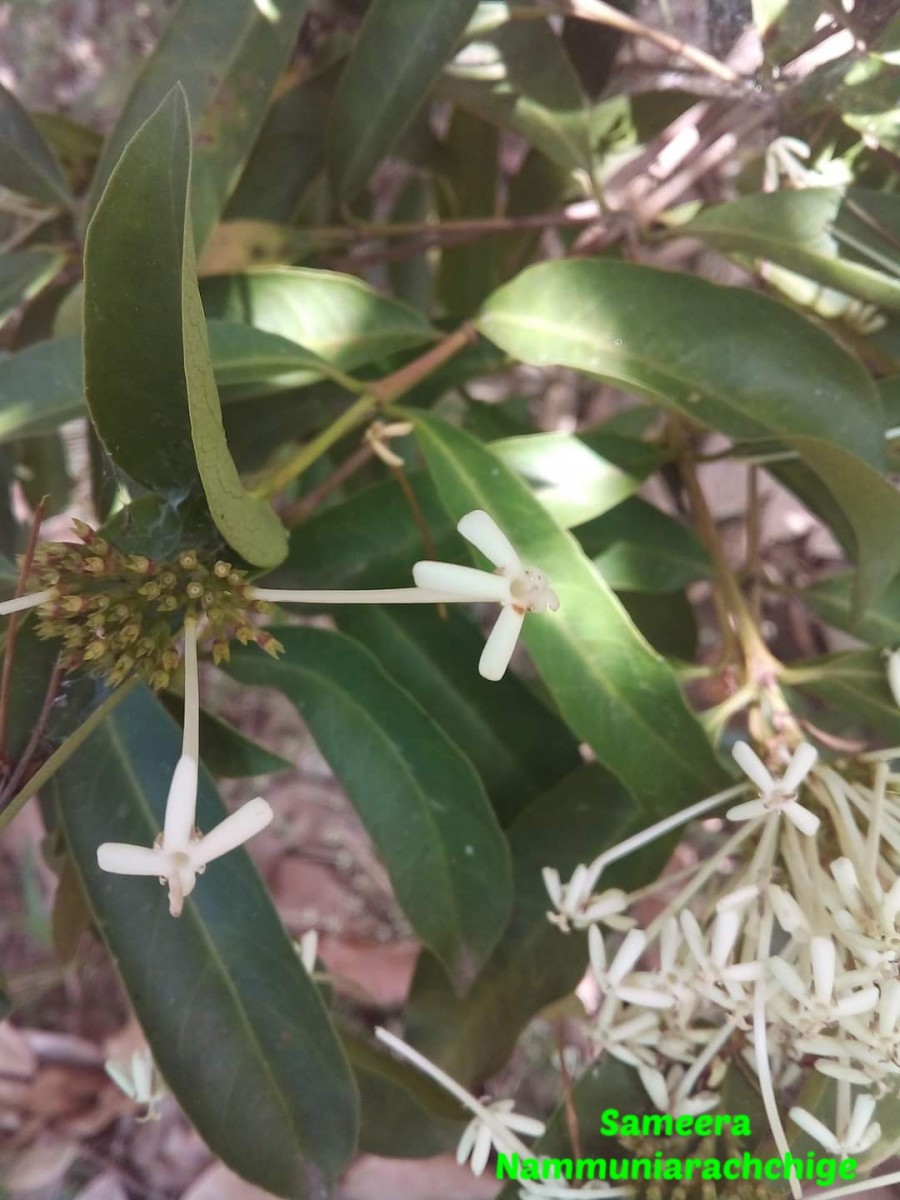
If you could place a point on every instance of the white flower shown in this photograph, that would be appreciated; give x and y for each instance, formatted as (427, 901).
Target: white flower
(665, 1093)
(861, 1132)
(576, 907)
(519, 589)
(477, 1140)
(180, 854)
(139, 1080)
(776, 795)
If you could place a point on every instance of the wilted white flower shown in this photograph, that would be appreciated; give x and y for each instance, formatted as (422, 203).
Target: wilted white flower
(776, 795)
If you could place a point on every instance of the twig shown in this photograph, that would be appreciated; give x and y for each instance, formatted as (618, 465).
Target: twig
(37, 733)
(572, 1125)
(9, 655)
(606, 14)
(297, 513)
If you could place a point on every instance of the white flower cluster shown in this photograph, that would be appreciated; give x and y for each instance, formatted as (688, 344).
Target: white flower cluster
(781, 947)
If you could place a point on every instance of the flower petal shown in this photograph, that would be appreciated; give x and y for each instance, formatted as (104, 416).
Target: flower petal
(817, 1131)
(232, 832)
(747, 811)
(799, 767)
(181, 806)
(120, 858)
(753, 767)
(484, 533)
(807, 822)
(468, 583)
(501, 643)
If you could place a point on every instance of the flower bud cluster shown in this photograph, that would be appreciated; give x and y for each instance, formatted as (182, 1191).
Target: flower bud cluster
(119, 613)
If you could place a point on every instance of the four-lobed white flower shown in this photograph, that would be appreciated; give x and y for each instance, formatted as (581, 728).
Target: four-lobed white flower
(776, 795)
(180, 853)
(140, 1081)
(517, 588)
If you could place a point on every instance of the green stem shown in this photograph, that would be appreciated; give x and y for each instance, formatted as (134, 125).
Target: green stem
(377, 396)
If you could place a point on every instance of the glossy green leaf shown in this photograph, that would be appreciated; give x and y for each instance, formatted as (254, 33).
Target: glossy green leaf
(419, 798)
(27, 164)
(535, 963)
(573, 482)
(520, 78)
(804, 231)
(337, 317)
(42, 385)
(516, 746)
(613, 691)
(856, 684)
(228, 57)
(279, 1106)
(640, 549)
(150, 345)
(833, 600)
(399, 52)
(669, 625)
(646, 330)
(23, 274)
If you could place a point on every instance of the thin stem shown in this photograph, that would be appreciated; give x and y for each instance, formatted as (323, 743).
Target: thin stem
(410, 595)
(66, 750)
(376, 396)
(652, 832)
(191, 742)
(606, 14)
(572, 1126)
(300, 510)
(37, 733)
(438, 230)
(9, 655)
(761, 1051)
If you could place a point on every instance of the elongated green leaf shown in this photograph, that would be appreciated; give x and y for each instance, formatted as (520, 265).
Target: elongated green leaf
(398, 54)
(150, 345)
(856, 684)
(23, 275)
(872, 507)
(614, 692)
(133, 343)
(42, 385)
(27, 164)
(833, 600)
(515, 744)
(228, 58)
(235, 1024)
(335, 316)
(804, 230)
(419, 798)
(643, 329)
(535, 963)
(638, 548)
(289, 153)
(573, 482)
(520, 78)
(247, 524)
